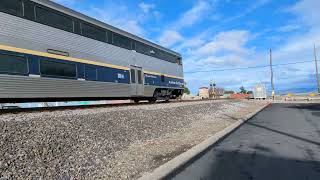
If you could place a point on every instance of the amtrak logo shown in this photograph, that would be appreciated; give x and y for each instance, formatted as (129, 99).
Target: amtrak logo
(176, 83)
(150, 76)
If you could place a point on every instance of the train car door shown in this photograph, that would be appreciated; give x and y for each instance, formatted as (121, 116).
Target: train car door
(137, 81)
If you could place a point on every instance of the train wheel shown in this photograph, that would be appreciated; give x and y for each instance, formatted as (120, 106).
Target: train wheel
(152, 100)
(136, 100)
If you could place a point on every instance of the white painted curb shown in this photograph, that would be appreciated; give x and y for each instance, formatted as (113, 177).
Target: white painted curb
(168, 168)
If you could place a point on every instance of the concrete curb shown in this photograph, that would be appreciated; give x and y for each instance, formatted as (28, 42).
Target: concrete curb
(168, 168)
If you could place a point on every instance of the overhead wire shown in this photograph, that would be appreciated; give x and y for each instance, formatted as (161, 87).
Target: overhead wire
(250, 67)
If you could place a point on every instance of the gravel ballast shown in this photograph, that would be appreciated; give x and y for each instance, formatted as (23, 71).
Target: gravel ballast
(109, 143)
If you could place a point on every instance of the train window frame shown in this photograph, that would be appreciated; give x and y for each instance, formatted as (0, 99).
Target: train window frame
(29, 12)
(109, 37)
(122, 41)
(18, 12)
(41, 60)
(142, 48)
(25, 58)
(133, 76)
(139, 75)
(97, 37)
(52, 11)
(85, 72)
(179, 61)
(162, 78)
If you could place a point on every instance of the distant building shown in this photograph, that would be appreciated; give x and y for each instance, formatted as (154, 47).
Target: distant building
(204, 93)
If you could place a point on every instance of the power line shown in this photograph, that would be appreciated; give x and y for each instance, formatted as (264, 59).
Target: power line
(250, 67)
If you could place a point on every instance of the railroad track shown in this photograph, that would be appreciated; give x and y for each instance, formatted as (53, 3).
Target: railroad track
(77, 107)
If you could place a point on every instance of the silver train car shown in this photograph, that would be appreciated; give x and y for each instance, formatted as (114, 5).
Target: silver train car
(51, 53)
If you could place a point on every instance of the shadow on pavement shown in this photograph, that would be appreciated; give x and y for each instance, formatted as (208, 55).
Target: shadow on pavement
(284, 133)
(311, 107)
(234, 160)
(258, 165)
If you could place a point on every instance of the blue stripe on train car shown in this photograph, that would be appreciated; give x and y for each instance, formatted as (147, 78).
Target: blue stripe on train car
(80, 70)
(107, 74)
(155, 80)
(33, 65)
(103, 74)
(152, 80)
(174, 82)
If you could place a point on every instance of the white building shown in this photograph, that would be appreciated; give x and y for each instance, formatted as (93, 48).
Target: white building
(260, 91)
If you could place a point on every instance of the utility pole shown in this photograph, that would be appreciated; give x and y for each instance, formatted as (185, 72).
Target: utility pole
(271, 69)
(316, 63)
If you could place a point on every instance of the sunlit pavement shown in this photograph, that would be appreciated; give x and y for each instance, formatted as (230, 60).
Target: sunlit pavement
(282, 142)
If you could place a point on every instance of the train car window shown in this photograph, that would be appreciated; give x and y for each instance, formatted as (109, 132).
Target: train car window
(162, 78)
(133, 76)
(29, 10)
(153, 52)
(77, 28)
(90, 73)
(54, 19)
(57, 69)
(133, 45)
(140, 77)
(93, 32)
(159, 54)
(142, 48)
(179, 61)
(121, 41)
(109, 35)
(10, 64)
(172, 58)
(13, 7)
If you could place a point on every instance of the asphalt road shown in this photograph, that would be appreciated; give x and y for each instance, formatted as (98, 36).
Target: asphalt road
(281, 142)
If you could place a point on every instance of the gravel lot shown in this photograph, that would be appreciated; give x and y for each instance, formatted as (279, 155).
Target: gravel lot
(108, 143)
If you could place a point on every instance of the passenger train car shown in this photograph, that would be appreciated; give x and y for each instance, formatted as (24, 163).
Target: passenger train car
(51, 53)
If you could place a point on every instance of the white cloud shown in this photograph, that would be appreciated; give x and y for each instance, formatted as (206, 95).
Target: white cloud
(227, 60)
(146, 7)
(170, 37)
(194, 15)
(307, 11)
(255, 5)
(301, 46)
(231, 48)
(230, 41)
(288, 28)
(118, 15)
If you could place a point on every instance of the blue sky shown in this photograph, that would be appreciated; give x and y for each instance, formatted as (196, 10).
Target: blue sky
(213, 35)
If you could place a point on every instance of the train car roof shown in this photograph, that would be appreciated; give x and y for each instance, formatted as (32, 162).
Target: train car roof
(84, 17)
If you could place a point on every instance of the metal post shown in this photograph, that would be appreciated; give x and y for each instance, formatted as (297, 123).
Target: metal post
(271, 69)
(316, 63)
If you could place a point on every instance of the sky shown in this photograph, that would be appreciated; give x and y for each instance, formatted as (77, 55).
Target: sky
(224, 41)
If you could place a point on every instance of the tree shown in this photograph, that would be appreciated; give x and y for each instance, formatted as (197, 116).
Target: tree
(186, 90)
(243, 90)
(249, 92)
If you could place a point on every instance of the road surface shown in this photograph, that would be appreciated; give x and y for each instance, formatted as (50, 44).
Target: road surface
(281, 142)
